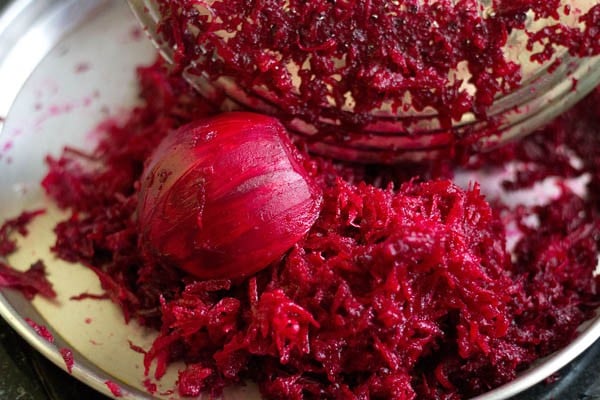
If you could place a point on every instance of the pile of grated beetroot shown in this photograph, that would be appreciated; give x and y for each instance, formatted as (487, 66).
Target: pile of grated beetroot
(306, 59)
(402, 289)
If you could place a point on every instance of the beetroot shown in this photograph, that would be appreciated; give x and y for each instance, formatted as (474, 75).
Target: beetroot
(67, 355)
(41, 330)
(114, 388)
(32, 281)
(223, 197)
(403, 287)
(373, 52)
(15, 225)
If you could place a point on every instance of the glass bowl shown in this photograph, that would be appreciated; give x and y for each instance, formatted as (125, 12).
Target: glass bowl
(545, 92)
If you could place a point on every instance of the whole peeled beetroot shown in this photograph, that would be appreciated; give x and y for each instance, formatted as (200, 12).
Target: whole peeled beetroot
(223, 197)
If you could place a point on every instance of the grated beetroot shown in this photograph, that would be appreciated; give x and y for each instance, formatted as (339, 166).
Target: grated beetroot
(376, 52)
(150, 386)
(86, 296)
(18, 225)
(114, 388)
(41, 330)
(67, 355)
(402, 289)
(30, 282)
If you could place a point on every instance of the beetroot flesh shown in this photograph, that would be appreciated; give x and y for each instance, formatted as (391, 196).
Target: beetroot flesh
(67, 355)
(15, 225)
(114, 388)
(41, 330)
(32, 281)
(402, 289)
(373, 50)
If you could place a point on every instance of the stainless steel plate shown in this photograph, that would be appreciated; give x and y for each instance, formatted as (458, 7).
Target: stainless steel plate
(66, 66)
(56, 88)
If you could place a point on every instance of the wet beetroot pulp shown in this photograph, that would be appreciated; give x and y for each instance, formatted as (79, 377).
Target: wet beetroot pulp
(404, 288)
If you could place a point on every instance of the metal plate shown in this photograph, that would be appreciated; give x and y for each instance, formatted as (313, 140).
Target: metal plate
(66, 66)
(58, 88)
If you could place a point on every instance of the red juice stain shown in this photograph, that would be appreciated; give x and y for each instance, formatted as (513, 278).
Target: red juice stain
(136, 34)
(82, 67)
(56, 110)
(7, 145)
(47, 89)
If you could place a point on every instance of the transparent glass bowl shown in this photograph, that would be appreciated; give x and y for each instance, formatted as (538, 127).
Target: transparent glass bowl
(543, 94)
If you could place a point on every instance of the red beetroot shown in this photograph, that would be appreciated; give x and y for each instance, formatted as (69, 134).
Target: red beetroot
(224, 197)
(375, 52)
(114, 388)
(41, 330)
(395, 292)
(17, 224)
(32, 281)
(67, 355)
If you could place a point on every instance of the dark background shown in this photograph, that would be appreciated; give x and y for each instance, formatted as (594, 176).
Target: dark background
(26, 375)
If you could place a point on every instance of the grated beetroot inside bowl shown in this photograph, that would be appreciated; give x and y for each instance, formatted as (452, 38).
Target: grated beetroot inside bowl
(376, 74)
(402, 289)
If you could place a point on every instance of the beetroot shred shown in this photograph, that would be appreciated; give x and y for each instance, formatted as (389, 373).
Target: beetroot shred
(223, 197)
(15, 225)
(402, 289)
(373, 52)
(32, 281)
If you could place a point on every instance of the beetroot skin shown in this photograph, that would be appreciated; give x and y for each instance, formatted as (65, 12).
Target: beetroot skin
(223, 197)
(402, 289)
